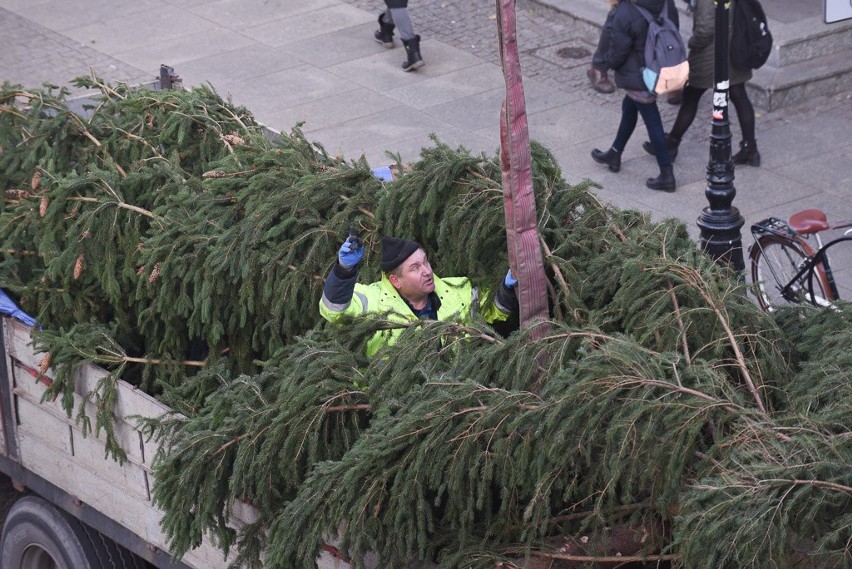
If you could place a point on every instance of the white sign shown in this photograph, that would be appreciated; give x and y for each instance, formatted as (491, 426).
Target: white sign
(836, 10)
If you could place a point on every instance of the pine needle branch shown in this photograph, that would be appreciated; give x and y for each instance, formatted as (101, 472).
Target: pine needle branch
(693, 277)
(680, 323)
(650, 558)
(117, 203)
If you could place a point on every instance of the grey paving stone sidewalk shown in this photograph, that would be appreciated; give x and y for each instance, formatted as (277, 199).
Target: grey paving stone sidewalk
(33, 54)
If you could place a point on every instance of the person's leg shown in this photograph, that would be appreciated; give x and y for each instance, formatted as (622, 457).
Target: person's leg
(686, 113)
(400, 18)
(685, 116)
(654, 125)
(410, 40)
(748, 153)
(629, 118)
(384, 35)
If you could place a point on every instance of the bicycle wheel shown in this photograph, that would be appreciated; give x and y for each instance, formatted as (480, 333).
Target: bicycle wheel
(842, 254)
(775, 261)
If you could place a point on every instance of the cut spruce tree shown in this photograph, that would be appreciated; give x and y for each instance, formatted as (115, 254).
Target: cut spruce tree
(661, 417)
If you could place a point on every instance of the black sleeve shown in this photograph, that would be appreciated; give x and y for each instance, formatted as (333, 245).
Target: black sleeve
(340, 284)
(507, 299)
(621, 40)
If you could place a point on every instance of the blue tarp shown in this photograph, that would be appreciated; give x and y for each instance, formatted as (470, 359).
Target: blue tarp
(7, 306)
(383, 173)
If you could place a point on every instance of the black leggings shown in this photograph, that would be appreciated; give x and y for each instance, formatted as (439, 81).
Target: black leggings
(689, 108)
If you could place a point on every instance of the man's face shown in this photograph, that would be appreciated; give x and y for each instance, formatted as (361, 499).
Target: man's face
(413, 279)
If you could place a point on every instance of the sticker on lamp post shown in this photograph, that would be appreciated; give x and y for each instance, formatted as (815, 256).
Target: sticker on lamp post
(836, 10)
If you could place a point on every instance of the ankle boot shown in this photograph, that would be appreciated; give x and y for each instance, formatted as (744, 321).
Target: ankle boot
(664, 182)
(384, 35)
(600, 81)
(412, 50)
(611, 158)
(673, 143)
(748, 153)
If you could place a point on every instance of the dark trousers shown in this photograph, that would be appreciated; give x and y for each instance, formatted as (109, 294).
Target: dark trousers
(630, 111)
(689, 108)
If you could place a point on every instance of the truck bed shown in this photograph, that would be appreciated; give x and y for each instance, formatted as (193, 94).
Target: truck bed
(41, 444)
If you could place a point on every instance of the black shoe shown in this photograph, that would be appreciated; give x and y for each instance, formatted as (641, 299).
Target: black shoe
(748, 154)
(673, 146)
(665, 182)
(384, 35)
(412, 50)
(611, 158)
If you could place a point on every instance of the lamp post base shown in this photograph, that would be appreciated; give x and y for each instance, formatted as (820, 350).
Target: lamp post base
(721, 237)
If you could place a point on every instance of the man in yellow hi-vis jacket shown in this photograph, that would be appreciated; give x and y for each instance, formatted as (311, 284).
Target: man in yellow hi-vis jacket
(407, 291)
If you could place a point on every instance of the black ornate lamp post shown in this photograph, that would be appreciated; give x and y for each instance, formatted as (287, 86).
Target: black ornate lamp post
(720, 222)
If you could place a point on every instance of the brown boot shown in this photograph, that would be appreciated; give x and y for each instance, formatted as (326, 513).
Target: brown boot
(600, 81)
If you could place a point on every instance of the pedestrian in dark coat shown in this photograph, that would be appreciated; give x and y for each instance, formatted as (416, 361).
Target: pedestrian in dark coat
(626, 57)
(396, 16)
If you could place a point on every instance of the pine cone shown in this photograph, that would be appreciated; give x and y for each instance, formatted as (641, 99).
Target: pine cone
(44, 364)
(36, 179)
(214, 174)
(16, 194)
(79, 265)
(42, 208)
(155, 273)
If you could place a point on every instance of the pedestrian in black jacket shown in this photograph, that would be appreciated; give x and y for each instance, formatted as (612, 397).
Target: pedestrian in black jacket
(396, 16)
(626, 57)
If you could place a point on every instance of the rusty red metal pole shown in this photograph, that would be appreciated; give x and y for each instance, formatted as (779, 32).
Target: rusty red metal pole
(525, 257)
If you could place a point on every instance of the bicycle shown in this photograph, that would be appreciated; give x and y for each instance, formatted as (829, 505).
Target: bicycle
(786, 269)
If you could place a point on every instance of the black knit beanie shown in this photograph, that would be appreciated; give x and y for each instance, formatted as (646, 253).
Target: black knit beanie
(395, 251)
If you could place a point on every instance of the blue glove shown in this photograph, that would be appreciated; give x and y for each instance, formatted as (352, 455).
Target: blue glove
(7, 306)
(350, 253)
(510, 281)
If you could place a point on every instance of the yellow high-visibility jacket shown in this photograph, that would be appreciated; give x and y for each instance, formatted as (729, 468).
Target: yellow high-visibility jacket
(455, 299)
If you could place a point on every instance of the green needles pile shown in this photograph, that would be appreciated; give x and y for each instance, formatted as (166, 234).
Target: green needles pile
(167, 238)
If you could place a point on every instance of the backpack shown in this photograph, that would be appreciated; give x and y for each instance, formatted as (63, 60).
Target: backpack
(751, 41)
(666, 68)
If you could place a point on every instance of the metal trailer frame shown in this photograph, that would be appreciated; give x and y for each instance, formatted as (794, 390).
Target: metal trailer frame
(45, 451)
